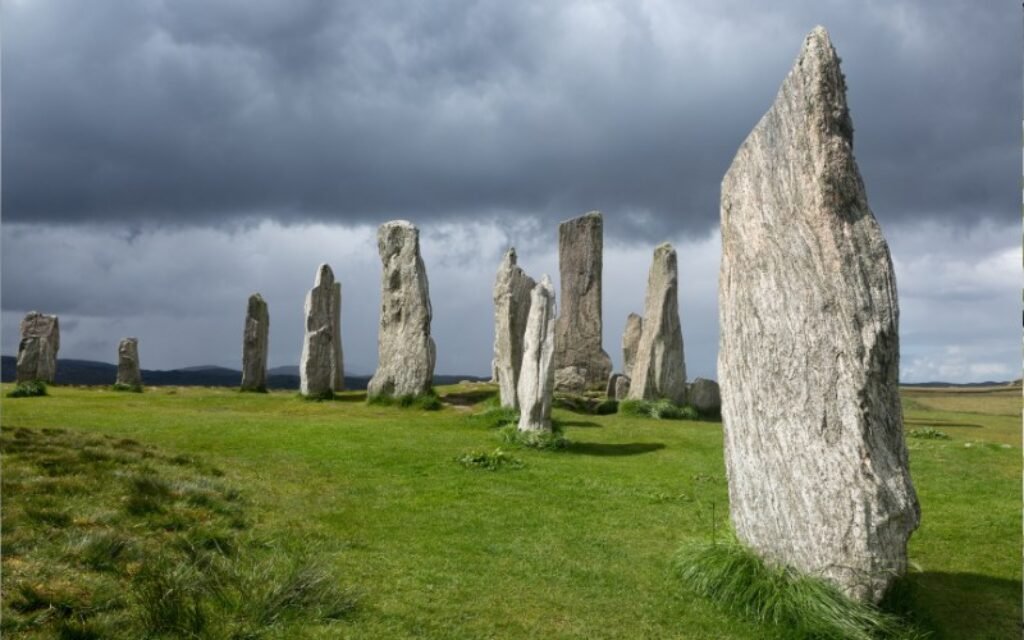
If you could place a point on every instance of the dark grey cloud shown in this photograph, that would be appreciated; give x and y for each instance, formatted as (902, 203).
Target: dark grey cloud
(205, 113)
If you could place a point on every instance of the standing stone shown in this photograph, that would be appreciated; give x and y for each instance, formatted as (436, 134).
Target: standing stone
(512, 289)
(631, 341)
(613, 380)
(405, 350)
(128, 374)
(809, 353)
(37, 351)
(580, 362)
(339, 356)
(537, 376)
(704, 396)
(622, 388)
(660, 371)
(254, 344)
(319, 353)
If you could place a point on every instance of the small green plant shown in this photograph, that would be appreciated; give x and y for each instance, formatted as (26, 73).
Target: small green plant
(928, 433)
(607, 407)
(130, 388)
(544, 440)
(490, 461)
(424, 401)
(30, 389)
(738, 580)
(494, 417)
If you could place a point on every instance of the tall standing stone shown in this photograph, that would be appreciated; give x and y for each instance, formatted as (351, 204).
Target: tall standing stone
(405, 350)
(37, 351)
(254, 344)
(660, 370)
(319, 352)
(537, 376)
(580, 361)
(809, 353)
(339, 356)
(631, 341)
(512, 289)
(128, 373)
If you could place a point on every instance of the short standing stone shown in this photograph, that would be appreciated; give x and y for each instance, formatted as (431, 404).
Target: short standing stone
(128, 373)
(578, 328)
(631, 341)
(704, 396)
(319, 353)
(254, 344)
(512, 289)
(37, 351)
(808, 359)
(622, 388)
(339, 355)
(660, 371)
(405, 350)
(613, 380)
(537, 375)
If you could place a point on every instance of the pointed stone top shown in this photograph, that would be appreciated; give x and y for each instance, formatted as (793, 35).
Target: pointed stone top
(545, 282)
(256, 297)
(256, 304)
(324, 275)
(590, 214)
(663, 247)
(510, 256)
(404, 224)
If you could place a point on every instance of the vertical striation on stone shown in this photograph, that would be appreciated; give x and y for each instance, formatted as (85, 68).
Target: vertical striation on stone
(128, 373)
(405, 350)
(631, 341)
(537, 375)
(512, 289)
(37, 351)
(580, 361)
(660, 370)
(338, 381)
(254, 344)
(809, 351)
(319, 353)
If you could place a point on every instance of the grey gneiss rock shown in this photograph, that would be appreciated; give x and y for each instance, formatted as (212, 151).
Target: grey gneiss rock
(37, 351)
(809, 351)
(631, 341)
(704, 396)
(613, 380)
(578, 328)
(512, 289)
(128, 373)
(319, 353)
(537, 375)
(622, 388)
(405, 350)
(659, 370)
(254, 344)
(338, 381)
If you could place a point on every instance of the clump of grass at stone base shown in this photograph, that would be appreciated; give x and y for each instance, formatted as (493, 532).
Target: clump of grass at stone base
(30, 389)
(543, 440)
(658, 409)
(425, 401)
(105, 537)
(736, 579)
(131, 388)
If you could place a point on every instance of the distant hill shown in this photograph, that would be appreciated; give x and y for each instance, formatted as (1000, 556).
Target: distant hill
(89, 372)
(987, 383)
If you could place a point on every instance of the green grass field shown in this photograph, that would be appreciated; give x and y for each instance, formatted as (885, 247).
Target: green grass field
(575, 543)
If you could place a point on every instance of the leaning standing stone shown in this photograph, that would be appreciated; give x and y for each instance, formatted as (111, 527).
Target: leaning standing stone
(128, 373)
(319, 353)
(631, 341)
(809, 352)
(660, 371)
(537, 376)
(37, 351)
(512, 289)
(580, 361)
(254, 344)
(405, 350)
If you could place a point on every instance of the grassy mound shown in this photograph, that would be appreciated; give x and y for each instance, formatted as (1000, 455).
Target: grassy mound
(31, 389)
(108, 538)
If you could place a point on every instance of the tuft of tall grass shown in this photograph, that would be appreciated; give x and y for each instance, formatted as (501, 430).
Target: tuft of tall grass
(928, 433)
(130, 388)
(805, 607)
(424, 401)
(30, 389)
(658, 409)
(489, 460)
(494, 417)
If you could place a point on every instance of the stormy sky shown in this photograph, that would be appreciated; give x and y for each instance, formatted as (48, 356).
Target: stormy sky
(163, 160)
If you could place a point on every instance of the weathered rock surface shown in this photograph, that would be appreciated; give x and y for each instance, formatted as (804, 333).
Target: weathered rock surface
(405, 350)
(571, 379)
(609, 389)
(512, 289)
(578, 328)
(631, 341)
(809, 351)
(338, 381)
(622, 388)
(37, 351)
(660, 371)
(319, 353)
(537, 375)
(254, 344)
(704, 396)
(128, 372)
